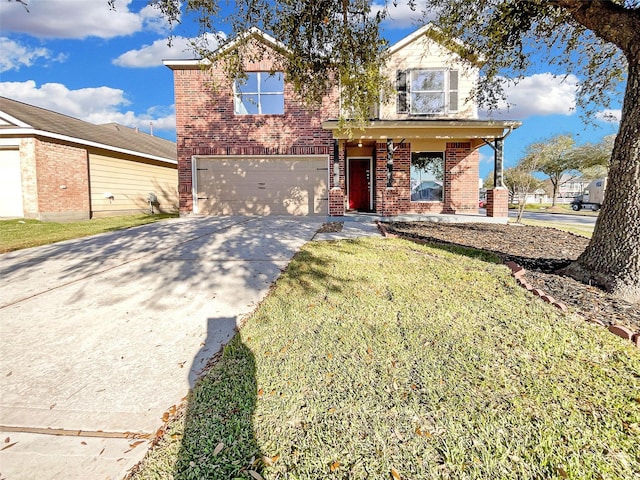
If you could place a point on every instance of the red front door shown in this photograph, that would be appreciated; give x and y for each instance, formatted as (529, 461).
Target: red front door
(359, 183)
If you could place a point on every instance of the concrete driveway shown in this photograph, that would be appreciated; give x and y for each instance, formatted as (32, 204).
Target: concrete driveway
(100, 336)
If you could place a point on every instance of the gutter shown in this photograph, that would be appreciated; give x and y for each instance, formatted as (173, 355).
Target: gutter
(41, 133)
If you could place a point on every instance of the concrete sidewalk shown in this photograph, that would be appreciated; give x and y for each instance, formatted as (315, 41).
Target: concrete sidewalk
(102, 335)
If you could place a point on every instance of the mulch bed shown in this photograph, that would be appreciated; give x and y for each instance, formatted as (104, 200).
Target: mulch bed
(330, 227)
(542, 252)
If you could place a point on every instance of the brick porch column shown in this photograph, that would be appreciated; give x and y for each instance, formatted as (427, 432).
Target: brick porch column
(336, 202)
(498, 202)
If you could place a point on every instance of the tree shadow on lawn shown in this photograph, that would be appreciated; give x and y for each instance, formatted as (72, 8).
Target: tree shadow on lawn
(219, 439)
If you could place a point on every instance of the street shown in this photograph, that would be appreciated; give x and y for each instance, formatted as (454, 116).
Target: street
(586, 220)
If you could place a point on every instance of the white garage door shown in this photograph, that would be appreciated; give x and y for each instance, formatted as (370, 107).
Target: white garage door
(261, 186)
(10, 184)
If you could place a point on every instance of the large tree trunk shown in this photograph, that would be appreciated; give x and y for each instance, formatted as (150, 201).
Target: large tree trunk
(612, 259)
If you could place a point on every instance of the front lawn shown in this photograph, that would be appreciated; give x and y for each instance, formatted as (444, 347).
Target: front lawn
(24, 233)
(383, 359)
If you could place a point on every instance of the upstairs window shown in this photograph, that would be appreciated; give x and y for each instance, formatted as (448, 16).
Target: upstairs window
(427, 91)
(261, 93)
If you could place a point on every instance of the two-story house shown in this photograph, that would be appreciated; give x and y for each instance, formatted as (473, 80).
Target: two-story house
(251, 148)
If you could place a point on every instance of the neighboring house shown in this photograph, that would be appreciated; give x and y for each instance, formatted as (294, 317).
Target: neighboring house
(251, 148)
(58, 168)
(570, 186)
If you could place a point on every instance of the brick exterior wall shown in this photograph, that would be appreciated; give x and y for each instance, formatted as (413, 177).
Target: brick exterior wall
(498, 202)
(207, 125)
(460, 182)
(55, 180)
(461, 178)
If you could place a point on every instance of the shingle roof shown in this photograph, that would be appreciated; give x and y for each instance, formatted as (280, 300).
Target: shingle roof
(111, 135)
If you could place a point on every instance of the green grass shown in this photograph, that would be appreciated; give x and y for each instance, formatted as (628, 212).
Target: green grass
(379, 357)
(576, 228)
(24, 233)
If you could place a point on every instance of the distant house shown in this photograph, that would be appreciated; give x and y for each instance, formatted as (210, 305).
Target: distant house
(250, 147)
(58, 168)
(570, 186)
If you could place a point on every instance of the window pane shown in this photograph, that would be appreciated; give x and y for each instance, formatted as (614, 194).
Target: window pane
(272, 83)
(453, 80)
(401, 87)
(272, 104)
(453, 101)
(422, 80)
(248, 85)
(427, 102)
(247, 104)
(427, 176)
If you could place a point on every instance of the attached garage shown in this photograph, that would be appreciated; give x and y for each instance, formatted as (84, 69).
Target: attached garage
(10, 183)
(244, 185)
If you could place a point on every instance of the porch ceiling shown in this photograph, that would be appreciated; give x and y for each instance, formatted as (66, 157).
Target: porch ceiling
(425, 129)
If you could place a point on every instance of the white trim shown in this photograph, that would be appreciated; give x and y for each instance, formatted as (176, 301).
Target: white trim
(371, 172)
(80, 141)
(11, 119)
(194, 184)
(400, 44)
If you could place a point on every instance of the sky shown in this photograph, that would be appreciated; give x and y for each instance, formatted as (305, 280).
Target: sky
(79, 58)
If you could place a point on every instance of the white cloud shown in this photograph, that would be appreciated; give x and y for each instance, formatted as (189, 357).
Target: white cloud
(609, 115)
(77, 19)
(399, 16)
(15, 55)
(96, 105)
(486, 156)
(153, 19)
(539, 94)
(152, 55)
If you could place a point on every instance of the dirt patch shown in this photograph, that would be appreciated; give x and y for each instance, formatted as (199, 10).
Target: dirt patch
(330, 227)
(542, 251)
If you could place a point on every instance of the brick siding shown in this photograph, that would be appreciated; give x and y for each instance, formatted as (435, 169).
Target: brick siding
(460, 182)
(498, 202)
(59, 191)
(207, 125)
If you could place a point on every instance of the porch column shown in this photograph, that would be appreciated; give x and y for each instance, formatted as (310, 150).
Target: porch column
(389, 162)
(336, 163)
(336, 195)
(498, 196)
(498, 149)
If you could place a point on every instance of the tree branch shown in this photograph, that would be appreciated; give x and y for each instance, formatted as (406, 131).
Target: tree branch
(608, 20)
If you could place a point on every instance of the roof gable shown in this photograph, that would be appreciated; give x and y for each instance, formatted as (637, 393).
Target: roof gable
(432, 32)
(253, 33)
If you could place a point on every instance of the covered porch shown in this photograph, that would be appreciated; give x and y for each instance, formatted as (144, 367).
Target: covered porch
(418, 166)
